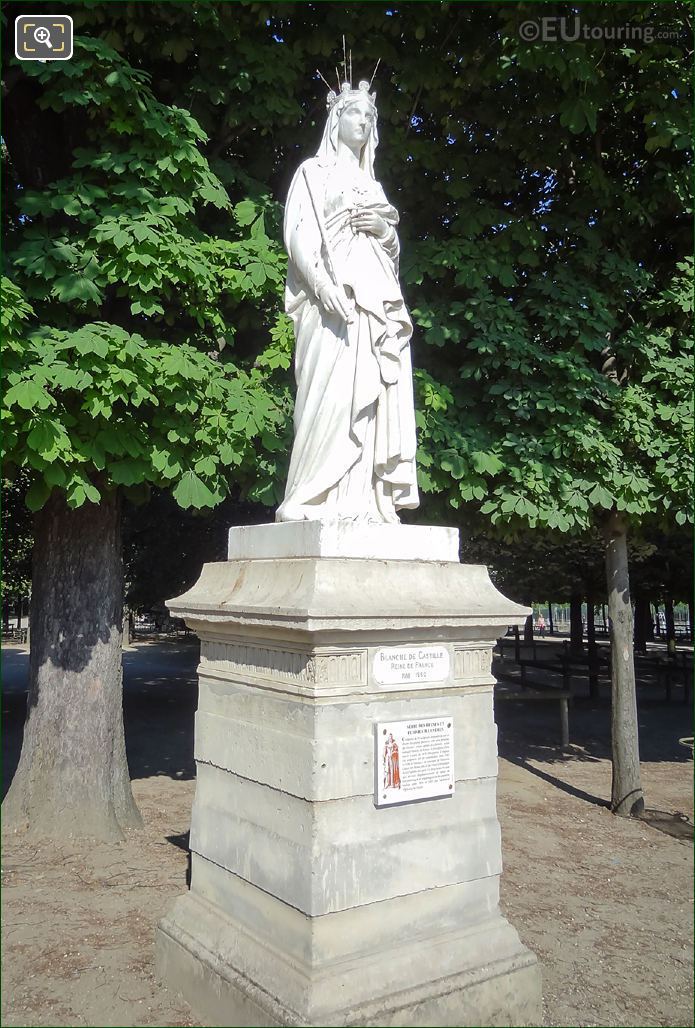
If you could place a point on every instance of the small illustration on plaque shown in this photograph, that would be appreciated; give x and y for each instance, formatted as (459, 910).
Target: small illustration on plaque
(392, 774)
(414, 760)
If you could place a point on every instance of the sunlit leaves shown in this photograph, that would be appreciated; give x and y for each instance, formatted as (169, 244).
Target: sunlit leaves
(142, 411)
(543, 192)
(117, 372)
(549, 281)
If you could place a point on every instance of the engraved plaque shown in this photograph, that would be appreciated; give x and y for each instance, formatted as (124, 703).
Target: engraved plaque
(398, 665)
(414, 760)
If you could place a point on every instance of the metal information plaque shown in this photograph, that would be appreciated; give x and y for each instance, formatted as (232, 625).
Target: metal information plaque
(397, 665)
(414, 760)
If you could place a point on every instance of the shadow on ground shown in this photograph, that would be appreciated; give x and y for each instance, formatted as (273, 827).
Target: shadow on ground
(160, 699)
(160, 696)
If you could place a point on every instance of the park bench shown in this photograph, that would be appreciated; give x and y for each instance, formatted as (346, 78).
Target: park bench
(16, 634)
(565, 663)
(589, 664)
(669, 670)
(509, 691)
(568, 665)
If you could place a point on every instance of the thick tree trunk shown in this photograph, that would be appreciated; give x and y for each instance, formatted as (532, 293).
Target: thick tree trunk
(551, 626)
(72, 778)
(576, 624)
(528, 629)
(626, 790)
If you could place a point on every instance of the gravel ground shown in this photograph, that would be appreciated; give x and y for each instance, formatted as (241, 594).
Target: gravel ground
(605, 902)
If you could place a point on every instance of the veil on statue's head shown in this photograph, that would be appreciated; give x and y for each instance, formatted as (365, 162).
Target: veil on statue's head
(327, 152)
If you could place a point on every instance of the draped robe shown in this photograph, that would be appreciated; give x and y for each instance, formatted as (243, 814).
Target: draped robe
(354, 423)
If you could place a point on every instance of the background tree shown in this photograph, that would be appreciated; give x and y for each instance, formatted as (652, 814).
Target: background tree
(564, 279)
(118, 310)
(18, 540)
(164, 547)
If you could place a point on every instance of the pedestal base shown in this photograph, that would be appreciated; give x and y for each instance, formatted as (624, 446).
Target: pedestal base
(310, 903)
(191, 956)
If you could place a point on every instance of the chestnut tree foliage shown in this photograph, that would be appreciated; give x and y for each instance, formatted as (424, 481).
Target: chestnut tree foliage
(120, 309)
(543, 188)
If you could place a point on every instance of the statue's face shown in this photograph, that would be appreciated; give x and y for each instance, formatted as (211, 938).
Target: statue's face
(356, 123)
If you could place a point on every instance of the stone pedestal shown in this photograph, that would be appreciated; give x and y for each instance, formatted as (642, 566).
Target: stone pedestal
(308, 904)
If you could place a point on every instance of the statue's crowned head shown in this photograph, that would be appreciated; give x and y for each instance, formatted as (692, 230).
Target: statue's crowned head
(348, 95)
(337, 104)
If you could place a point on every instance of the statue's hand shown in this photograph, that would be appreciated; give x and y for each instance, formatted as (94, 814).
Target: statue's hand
(335, 301)
(370, 222)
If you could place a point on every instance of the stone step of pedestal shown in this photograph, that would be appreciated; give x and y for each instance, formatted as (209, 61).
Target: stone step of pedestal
(343, 539)
(327, 752)
(465, 977)
(327, 856)
(323, 941)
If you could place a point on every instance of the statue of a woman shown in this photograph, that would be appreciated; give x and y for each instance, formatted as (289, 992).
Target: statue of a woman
(354, 426)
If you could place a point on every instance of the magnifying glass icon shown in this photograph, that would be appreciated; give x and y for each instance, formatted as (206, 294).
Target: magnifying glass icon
(42, 35)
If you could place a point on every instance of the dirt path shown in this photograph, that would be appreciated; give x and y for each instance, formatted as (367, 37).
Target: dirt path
(605, 903)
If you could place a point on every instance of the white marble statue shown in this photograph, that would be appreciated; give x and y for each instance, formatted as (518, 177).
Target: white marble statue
(353, 456)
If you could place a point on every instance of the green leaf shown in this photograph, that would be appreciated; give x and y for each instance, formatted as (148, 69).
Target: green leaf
(214, 194)
(601, 497)
(76, 287)
(127, 472)
(37, 494)
(206, 466)
(486, 463)
(43, 438)
(91, 492)
(191, 492)
(245, 212)
(28, 395)
(257, 273)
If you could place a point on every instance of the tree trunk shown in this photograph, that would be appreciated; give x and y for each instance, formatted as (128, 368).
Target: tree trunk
(642, 615)
(528, 629)
(551, 627)
(690, 620)
(72, 778)
(649, 624)
(576, 624)
(626, 791)
(670, 626)
(591, 648)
